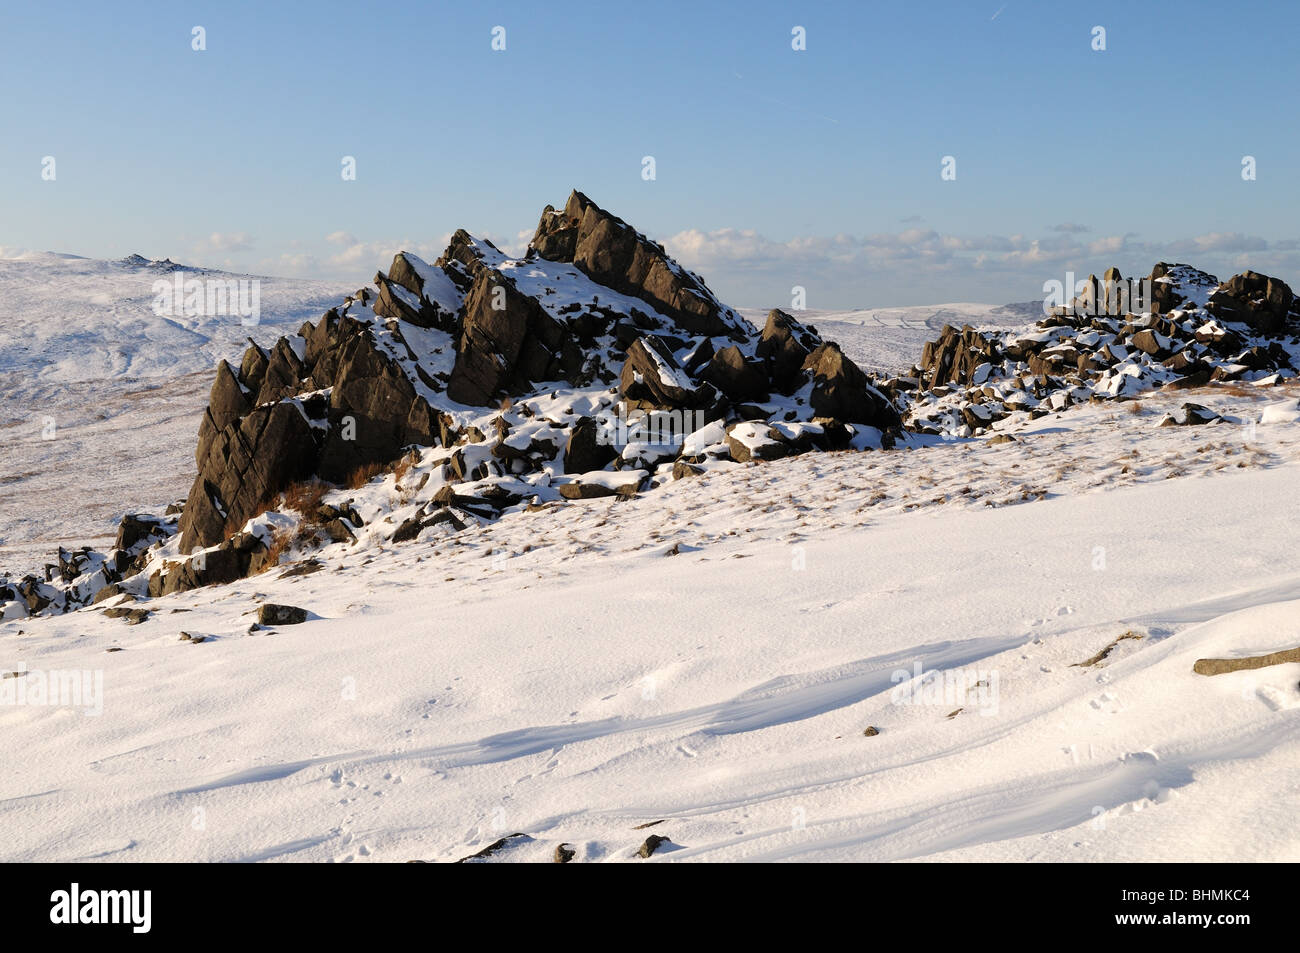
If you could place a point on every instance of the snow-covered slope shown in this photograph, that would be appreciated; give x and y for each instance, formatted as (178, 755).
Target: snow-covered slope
(710, 655)
(65, 319)
(705, 658)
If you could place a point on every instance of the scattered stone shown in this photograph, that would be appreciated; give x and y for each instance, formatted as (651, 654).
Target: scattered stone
(268, 613)
(304, 568)
(1105, 652)
(132, 616)
(491, 848)
(652, 844)
(1221, 666)
(108, 592)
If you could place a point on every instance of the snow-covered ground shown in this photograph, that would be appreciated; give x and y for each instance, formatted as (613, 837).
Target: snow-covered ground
(707, 655)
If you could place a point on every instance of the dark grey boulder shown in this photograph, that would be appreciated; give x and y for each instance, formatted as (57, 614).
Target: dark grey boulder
(268, 613)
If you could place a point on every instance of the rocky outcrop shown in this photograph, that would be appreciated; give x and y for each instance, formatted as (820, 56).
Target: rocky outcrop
(381, 372)
(739, 380)
(1179, 286)
(614, 254)
(652, 377)
(1198, 331)
(955, 357)
(841, 391)
(783, 346)
(534, 378)
(1265, 305)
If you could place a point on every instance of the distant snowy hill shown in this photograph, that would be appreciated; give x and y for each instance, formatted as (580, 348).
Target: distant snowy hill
(65, 319)
(81, 346)
(889, 340)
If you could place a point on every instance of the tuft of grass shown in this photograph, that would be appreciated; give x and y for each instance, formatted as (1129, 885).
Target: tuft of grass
(364, 474)
(280, 543)
(404, 464)
(305, 497)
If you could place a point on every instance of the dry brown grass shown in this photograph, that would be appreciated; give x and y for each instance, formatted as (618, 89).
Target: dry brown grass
(364, 474)
(280, 543)
(404, 464)
(305, 497)
(1135, 407)
(1233, 389)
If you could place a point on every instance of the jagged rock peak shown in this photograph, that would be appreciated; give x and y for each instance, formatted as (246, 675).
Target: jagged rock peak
(613, 253)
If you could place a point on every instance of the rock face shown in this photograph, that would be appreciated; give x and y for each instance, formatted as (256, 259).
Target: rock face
(739, 380)
(784, 346)
(614, 254)
(652, 377)
(508, 342)
(585, 450)
(841, 391)
(1264, 304)
(247, 462)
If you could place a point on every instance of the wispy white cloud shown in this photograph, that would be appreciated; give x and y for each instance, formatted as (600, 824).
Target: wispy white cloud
(922, 265)
(226, 242)
(914, 264)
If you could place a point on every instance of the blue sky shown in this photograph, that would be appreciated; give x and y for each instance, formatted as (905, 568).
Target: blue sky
(774, 167)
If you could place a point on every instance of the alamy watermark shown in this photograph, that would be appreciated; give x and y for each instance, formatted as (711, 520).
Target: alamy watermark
(956, 688)
(1090, 299)
(57, 688)
(620, 426)
(209, 297)
(78, 905)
